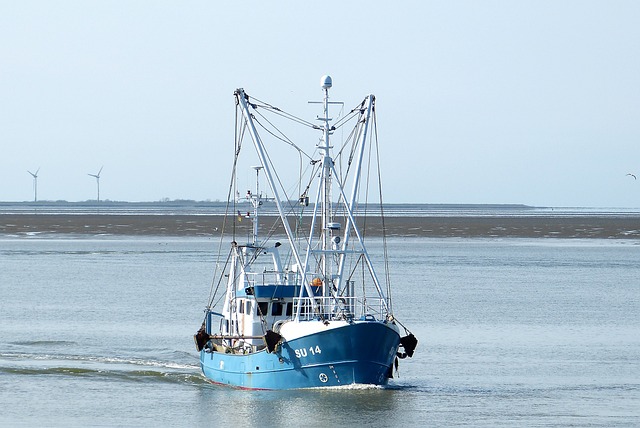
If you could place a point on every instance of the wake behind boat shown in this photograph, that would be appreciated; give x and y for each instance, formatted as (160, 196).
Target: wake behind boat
(310, 311)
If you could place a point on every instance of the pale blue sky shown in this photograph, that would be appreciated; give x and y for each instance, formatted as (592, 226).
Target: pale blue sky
(532, 102)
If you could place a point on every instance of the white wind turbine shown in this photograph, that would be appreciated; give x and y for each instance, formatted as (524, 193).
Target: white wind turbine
(97, 177)
(35, 184)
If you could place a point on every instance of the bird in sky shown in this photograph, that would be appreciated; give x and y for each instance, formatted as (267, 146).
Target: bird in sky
(634, 177)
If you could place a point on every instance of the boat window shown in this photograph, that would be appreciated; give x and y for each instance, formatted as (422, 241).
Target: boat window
(241, 307)
(248, 311)
(276, 308)
(263, 307)
(289, 309)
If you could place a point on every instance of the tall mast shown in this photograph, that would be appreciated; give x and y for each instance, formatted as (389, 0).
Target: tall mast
(327, 164)
(242, 100)
(365, 118)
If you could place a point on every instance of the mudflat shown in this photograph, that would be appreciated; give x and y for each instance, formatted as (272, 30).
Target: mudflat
(212, 225)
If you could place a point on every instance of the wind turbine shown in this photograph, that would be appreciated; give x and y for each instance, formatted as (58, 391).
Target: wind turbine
(35, 184)
(97, 177)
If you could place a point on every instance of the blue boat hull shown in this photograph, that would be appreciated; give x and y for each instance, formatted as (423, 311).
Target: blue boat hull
(358, 353)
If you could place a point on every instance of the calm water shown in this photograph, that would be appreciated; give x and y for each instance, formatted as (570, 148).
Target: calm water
(396, 210)
(512, 332)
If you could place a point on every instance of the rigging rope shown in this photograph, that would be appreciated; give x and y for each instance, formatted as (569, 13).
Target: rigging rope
(237, 146)
(384, 228)
(281, 112)
(283, 138)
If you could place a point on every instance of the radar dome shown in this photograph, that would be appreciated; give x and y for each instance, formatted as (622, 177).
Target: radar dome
(325, 82)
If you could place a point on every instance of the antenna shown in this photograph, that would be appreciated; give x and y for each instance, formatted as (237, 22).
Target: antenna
(97, 177)
(35, 184)
(257, 168)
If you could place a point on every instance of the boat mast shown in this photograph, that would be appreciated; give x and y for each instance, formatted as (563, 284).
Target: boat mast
(350, 204)
(365, 118)
(327, 166)
(242, 100)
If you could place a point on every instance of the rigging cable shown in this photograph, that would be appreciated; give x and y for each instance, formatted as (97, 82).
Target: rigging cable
(346, 118)
(281, 112)
(237, 146)
(290, 209)
(384, 228)
(283, 138)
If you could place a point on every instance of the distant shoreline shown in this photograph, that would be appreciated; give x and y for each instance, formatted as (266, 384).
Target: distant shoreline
(592, 226)
(217, 203)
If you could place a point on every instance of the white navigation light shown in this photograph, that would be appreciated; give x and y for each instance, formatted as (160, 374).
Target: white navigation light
(326, 82)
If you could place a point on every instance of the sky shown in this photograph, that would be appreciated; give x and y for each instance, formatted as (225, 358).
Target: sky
(478, 102)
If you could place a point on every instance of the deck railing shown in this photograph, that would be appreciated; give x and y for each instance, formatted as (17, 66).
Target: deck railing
(333, 308)
(272, 277)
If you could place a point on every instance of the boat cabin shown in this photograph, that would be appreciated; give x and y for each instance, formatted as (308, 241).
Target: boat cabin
(260, 296)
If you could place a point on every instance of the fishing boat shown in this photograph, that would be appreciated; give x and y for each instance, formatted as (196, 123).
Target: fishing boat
(297, 302)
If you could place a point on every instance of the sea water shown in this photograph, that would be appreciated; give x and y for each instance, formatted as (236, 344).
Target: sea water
(512, 332)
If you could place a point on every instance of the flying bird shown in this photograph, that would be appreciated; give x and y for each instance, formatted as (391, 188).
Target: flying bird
(634, 177)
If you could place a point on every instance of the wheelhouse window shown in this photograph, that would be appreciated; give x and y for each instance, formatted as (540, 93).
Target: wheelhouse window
(276, 309)
(264, 308)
